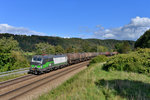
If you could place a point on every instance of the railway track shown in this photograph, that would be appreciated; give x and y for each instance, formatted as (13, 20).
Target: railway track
(16, 80)
(21, 90)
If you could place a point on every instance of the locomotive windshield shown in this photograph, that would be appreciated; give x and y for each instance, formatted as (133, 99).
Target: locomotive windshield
(37, 59)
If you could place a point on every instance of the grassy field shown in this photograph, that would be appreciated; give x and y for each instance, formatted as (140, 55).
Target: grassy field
(5, 78)
(94, 83)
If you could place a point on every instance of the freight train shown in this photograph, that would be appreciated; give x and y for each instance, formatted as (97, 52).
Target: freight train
(45, 63)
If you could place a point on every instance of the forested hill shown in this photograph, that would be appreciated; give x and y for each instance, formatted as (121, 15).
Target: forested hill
(143, 41)
(27, 43)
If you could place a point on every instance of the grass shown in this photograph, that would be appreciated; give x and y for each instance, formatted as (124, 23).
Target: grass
(5, 78)
(94, 83)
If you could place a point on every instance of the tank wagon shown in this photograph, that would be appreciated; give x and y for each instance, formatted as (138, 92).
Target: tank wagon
(73, 58)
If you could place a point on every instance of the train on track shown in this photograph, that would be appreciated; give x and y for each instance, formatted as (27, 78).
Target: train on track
(45, 63)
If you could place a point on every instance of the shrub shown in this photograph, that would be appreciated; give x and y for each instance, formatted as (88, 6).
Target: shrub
(11, 55)
(100, 58)
(138, 61)
(19, 60)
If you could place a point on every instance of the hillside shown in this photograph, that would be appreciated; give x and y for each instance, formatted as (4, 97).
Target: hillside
(144, 40)
(27, 43)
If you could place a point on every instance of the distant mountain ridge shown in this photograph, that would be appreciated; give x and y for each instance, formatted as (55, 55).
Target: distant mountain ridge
(27, 43)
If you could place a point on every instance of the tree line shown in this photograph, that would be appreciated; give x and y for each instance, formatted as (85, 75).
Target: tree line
(13, 57)
(28, 43)
(16, 50)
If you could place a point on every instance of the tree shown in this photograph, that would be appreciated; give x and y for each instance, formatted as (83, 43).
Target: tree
(93, 49)
(7, 45)
(44, 48)
(70, 50)
(59, 50)
(123, 47)
(143, 41)
(126, 47)
(11, 55)
(86, 47)
(101, 49)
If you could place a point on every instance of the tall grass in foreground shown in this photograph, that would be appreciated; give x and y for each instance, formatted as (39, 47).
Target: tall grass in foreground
(94, 83)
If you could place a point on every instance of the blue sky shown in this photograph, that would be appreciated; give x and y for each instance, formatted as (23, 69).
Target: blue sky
(103, 19)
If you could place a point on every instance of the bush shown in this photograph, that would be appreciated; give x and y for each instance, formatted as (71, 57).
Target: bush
(138, 61)
(19, 60)
(100, 58)
(11, 55)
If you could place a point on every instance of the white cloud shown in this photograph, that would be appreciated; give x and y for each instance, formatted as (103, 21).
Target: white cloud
(5, 28)
(131, 31)
(108, 35)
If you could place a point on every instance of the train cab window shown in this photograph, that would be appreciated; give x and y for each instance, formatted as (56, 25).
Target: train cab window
(37, 59)
(34, 58)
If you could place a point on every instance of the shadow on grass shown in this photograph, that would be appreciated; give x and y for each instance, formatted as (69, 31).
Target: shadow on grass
(131, 90)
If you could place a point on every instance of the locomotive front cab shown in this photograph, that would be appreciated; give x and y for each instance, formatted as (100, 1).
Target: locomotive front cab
(41, 64)
(36, 65)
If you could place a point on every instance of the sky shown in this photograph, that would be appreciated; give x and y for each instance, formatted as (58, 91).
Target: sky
(102, 19)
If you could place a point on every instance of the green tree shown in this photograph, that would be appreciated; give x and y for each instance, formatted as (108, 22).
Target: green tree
(101, 49)
(86, 47)
(44, 48)
(9, 53)
(93, 49)
(18, 60)
(126, 47)
(7, 45)
(70, 50)
(143, 41)
(123, 47)
(59, 50)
